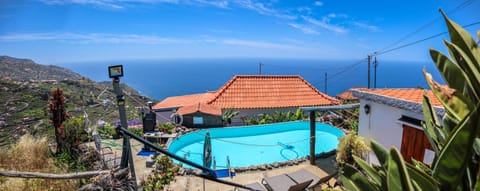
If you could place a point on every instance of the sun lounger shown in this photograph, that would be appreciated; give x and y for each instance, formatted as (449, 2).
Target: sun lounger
(257, 186)
(284, 183)
(304, 175)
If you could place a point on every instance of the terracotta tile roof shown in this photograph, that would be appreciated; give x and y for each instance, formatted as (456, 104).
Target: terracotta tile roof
(411, 94)
(347, 95)
(265, 91)
(179, 101)
(200, 107)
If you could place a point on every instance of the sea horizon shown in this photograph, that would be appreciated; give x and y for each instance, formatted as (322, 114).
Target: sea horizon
(162, 78)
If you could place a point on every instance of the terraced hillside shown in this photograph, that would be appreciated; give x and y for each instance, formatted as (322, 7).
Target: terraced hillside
(23, 101)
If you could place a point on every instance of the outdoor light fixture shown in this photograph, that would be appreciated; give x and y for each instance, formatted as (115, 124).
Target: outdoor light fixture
(366, 108)
(115, 71)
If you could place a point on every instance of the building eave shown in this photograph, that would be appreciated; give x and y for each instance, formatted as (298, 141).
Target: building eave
(395, 102)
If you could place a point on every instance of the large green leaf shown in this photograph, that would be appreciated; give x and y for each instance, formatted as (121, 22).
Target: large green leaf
(457, 152)
(380, 152)
(454, 102)
(369, 170)
(398, 178)
(463, 39)
(353, 179)
(430, 124)
(422, 179)
(453, 74)
(469, 67)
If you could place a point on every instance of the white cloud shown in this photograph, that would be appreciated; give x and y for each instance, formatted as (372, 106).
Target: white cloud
(366, 26)
(91, 38)
(103, 38)
(257, 44)
(262, 9)
(318, 3)
(303, 28)
(325, 23)
(121, 4)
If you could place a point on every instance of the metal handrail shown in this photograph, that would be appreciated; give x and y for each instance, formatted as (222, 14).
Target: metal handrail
(208, 173)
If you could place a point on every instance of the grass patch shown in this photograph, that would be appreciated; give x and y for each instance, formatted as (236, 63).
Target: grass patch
(32, 155)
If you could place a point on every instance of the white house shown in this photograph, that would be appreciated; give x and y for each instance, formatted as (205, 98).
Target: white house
(393, 118)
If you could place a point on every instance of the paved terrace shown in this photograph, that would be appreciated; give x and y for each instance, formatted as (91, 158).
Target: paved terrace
(322, 168)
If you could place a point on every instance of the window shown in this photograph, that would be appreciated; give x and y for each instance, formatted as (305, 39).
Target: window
(197, 120)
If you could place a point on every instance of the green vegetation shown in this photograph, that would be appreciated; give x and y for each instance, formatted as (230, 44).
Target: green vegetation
(166, 127)
(351, 145)
(136, 131)
(456, 143)
(163, 174)
(23, 104)
(228, 115)
(275, 117)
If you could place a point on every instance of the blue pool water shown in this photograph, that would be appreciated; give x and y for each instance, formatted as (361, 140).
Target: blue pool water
(254, 145)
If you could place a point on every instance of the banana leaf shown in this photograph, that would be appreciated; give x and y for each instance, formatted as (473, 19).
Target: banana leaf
(455, 103)
(463, 39)
(452, 74)
(353, 179)
(380, 152)
(370, 171)
(398, 178)
(457, 152)
(429, 125)
(422, 179)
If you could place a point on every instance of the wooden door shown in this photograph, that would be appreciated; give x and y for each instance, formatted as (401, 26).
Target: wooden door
(414, 143)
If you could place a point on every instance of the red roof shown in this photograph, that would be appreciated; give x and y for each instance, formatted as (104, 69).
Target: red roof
(179, 101)
(411, 94)
(253, 92)
(347, 95)
(249, 92)
(200, 107)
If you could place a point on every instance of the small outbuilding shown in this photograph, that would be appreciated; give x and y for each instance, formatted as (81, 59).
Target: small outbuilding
(393, 118)
(201, 115)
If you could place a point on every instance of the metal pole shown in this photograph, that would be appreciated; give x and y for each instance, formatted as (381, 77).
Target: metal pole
(260, 68)
(312, 137)
(375, 64)
(127, 159)
(368, 71)
(208, 174)
(326, 83)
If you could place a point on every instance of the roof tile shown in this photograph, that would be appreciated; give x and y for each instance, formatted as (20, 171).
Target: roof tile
(409, 94)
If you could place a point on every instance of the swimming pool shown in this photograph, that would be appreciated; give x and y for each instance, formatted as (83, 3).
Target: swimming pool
(254, 145)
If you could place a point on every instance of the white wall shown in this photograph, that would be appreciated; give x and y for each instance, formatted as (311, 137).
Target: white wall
(382, 125)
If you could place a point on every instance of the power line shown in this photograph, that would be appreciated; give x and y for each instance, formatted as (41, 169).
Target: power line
(421, 40)
(459, 7)
(350, 67)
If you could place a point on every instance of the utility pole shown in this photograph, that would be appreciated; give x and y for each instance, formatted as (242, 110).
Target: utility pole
(325, 83)
(260, 68)
(368, 72)
(375, 64)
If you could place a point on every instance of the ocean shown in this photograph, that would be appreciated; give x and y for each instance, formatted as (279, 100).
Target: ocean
(159, 79)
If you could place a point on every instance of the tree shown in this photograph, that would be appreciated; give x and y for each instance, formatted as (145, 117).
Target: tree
(456, 142)
(58, 114)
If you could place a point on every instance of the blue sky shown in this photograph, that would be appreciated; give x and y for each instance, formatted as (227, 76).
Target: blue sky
(58, 31)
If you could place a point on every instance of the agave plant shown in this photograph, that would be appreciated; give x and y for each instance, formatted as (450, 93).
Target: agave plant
(456, 141)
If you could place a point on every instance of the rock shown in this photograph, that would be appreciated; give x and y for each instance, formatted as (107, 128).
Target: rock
(275, 165)
(181, 171)
(262, 167)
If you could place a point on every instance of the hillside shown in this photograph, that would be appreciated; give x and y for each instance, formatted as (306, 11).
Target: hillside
(23, 101)
(25, 69)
